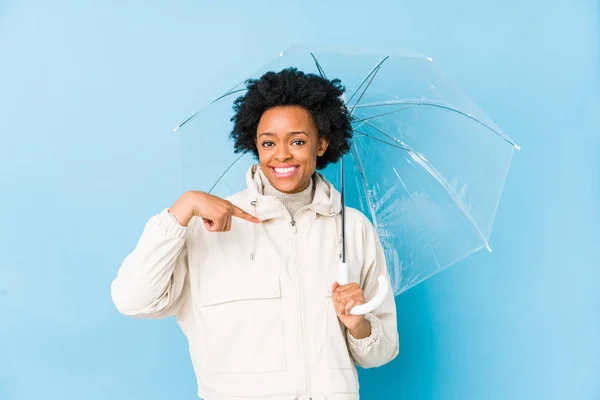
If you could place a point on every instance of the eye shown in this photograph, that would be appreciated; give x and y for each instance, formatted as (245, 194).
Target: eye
(298, 142)
(267, 144)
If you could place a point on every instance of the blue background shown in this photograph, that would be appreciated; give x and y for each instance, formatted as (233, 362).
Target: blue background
(89, 93)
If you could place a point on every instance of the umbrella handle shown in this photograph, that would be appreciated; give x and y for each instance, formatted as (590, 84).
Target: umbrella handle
(372, 304)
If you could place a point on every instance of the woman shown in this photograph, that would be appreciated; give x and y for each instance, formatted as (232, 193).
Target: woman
(251, 279)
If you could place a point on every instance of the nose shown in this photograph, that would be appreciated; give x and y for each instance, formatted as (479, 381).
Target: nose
(283, 153)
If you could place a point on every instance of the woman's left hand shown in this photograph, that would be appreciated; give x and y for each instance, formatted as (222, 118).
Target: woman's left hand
(345, 297)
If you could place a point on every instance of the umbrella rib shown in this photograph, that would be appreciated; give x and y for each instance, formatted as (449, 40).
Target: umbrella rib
(384, 114)
(383, 141)
(318, 66)
(209, 104)
(423, 162)
(363, 82)
(428, 104)
(224, 173)
(371, 75)
(365, 185)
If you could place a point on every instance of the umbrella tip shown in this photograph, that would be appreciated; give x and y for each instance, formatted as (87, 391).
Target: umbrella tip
(176, 128)
(430, 59)
(281, 54)
(517, 147)
(488, 247)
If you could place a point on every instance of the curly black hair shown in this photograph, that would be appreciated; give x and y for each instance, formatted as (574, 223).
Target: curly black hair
(291, 87)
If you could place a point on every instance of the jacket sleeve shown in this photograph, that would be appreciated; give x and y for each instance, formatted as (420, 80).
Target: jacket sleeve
(383, 344)
(151, 279)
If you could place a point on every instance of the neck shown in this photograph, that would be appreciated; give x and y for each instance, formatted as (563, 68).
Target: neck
(292, 201)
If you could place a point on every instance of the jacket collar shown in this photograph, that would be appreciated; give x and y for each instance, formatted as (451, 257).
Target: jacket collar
(326, 201)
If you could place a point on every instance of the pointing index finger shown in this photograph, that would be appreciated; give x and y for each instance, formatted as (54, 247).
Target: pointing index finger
(238, 212)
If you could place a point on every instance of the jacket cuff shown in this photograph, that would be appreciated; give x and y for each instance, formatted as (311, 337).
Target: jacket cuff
(369, 340)
(171, 225)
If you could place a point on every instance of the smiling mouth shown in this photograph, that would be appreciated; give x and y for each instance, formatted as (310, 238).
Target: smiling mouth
(284, 172)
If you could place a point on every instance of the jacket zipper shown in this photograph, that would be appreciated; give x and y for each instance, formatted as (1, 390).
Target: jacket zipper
(294, 230)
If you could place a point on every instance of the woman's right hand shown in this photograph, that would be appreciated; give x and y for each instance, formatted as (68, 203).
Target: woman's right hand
(216, 213)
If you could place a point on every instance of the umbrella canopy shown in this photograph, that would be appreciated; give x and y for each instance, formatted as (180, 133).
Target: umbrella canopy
(426, 165)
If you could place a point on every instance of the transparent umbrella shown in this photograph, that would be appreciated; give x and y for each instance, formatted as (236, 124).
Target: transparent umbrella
(426, 165)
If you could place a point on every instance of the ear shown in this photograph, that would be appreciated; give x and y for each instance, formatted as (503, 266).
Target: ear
(323, 144)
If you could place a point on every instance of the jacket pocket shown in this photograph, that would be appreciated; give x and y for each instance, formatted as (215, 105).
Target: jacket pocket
(244, 325)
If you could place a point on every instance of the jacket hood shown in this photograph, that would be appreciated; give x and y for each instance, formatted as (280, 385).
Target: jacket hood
(326, 200)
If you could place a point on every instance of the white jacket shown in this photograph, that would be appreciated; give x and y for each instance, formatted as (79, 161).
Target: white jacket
(255, 302)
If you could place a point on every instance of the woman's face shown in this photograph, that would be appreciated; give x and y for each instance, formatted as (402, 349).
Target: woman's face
(288, 144)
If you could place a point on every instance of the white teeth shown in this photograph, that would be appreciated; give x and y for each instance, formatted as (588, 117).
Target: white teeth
(284, 170)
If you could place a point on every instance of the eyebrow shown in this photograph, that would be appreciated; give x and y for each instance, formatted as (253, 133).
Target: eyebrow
(291, 133)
